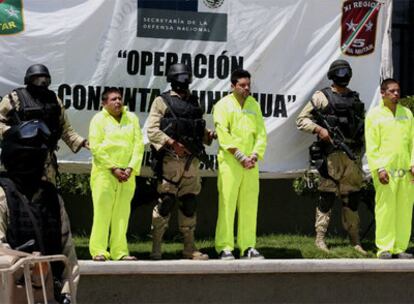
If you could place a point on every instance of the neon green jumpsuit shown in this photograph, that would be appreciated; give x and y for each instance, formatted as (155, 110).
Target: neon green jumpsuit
(389, 145)
(120, 145)
(244, 129)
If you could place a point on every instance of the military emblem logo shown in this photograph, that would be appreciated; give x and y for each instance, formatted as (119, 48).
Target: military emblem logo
(359, 25)
(213, 3)
(11, 17)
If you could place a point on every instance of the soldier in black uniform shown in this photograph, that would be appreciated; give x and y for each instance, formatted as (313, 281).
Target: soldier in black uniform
(36, 101)
(339, 109)
(176, 131)
(30, 208)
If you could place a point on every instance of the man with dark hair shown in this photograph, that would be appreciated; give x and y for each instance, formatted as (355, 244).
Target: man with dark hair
(176, 131)
(117, 149)
(36, 101)
(340, 176)
(242, 140)
(32, 214)
(389, 135)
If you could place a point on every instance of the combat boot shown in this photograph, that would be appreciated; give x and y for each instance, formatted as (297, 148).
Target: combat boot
(158, 227)
(187, 226)
(321, 226)
(350, 222)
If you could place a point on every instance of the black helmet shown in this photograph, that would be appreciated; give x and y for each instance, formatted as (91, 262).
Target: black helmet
(36, 70)
(179, 73)
(340, 72)
(24, 147)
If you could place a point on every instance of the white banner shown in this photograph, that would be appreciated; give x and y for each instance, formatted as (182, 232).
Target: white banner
(287, 45)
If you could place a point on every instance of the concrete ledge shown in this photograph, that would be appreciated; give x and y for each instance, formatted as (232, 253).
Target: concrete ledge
(266, 281)
(183, 267)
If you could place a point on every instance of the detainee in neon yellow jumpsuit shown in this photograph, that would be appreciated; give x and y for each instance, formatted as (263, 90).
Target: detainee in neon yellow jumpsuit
(117, 148)
(241, 131)
(389, 137)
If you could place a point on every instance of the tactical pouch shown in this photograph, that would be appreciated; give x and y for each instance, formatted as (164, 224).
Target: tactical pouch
(318, 158)
(199, 127)
(145, 192)
(156, 161)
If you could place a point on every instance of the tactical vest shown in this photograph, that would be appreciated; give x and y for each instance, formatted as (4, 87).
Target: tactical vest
(44, 222)
(186, 121)
(47, 109)
(346, 111)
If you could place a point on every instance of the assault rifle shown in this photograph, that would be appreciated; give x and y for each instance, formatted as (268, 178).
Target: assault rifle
(338, 138)
(196, 149)
(193, 145)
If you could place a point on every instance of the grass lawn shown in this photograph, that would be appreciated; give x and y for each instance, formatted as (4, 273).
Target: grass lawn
(272, 246)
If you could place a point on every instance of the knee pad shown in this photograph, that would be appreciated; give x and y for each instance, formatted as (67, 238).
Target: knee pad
(326, 201)
(188, 204)
(353, 200)
(166, 204)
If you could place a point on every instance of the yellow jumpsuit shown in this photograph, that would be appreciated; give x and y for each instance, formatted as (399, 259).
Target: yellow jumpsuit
(244, 129)
(120, 145)
(389, 145)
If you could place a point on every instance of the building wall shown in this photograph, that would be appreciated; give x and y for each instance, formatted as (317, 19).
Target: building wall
(403, 44)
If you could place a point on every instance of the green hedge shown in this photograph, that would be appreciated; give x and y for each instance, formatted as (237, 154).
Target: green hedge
(74, 183)
(408, 102)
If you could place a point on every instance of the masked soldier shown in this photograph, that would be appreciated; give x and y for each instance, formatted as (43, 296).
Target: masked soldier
(36, 101)
(176, 131)
(335, 114)
(30, 208)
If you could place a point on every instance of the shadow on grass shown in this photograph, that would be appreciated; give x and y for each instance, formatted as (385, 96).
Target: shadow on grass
(369, 245)
(287, 248)
(280, 253)
(410, 250)
(268, 252)
(82, 251)
(165, 255)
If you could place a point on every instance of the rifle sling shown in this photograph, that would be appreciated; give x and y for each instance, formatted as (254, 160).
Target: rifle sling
(167, 101)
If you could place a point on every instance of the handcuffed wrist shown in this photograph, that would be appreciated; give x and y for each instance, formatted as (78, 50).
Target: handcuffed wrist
(240, 156)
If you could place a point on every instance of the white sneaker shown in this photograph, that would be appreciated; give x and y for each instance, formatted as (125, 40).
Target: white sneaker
(252, 254)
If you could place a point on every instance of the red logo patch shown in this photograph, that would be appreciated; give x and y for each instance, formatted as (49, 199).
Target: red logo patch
(359, 26)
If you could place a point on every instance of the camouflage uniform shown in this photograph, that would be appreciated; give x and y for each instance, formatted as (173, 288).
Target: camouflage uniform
(176, 181)
(346, 179)
(173, 166)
